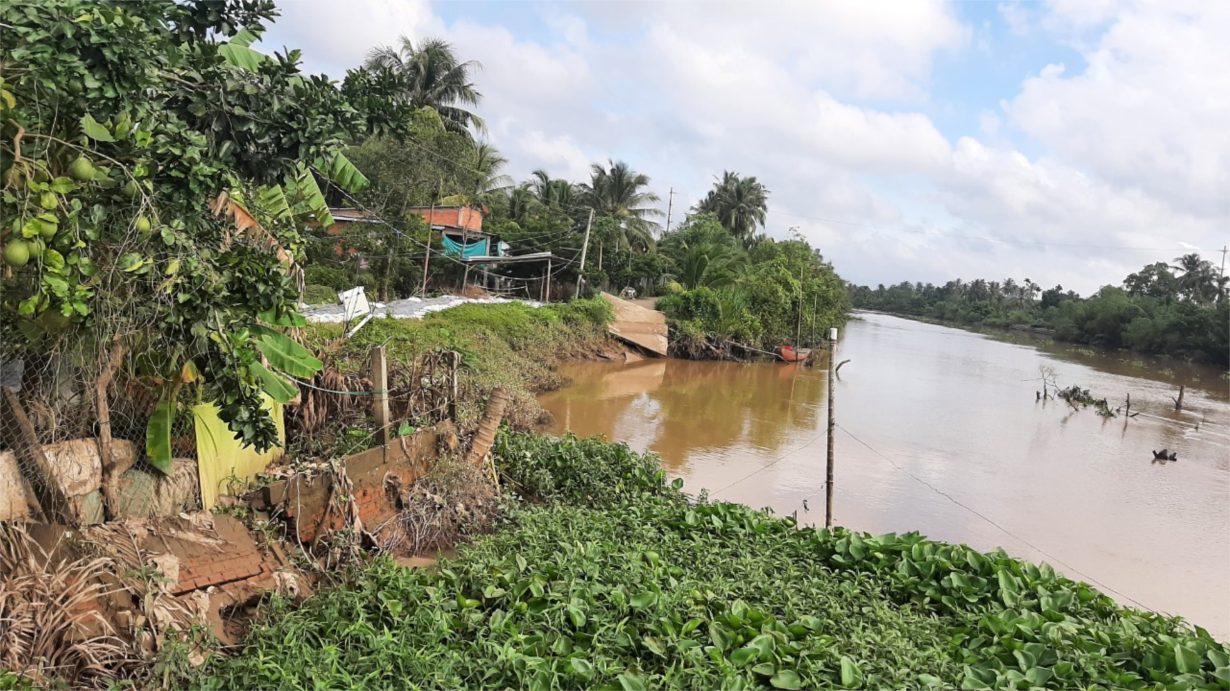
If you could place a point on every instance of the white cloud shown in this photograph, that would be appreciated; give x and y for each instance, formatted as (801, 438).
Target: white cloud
(1149, 111)
(867, 50)
(827, 103)
(1017, 16)
(335, 37)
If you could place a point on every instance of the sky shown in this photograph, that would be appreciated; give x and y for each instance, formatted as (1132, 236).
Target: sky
(1069, 141)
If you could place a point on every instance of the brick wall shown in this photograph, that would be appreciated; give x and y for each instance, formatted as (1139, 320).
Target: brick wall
(305, 501)
(459, 216)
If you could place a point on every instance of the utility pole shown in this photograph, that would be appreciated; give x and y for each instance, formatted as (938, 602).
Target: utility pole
(431, 215)
(465, 245)
(1222, 285)
(670, 204)
(584, 251)
(828, 480)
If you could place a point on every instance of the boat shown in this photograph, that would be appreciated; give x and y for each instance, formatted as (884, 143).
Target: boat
(791, 354)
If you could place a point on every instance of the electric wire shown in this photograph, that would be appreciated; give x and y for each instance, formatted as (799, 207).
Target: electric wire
(984, 517)
(985, 238)
(376, 218)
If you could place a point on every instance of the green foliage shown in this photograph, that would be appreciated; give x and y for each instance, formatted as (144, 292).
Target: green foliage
(163, 167)
(511, 345)
(640, 589)
(1154, 312)
(577, 471)
(429, 75)
(739, 203)
(758, 306)
(314, 294)
(620, 195)
(335, 277)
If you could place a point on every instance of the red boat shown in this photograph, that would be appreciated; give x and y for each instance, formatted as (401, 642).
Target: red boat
(791, 354)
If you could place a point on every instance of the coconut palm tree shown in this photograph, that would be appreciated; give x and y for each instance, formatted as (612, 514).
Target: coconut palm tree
(1198, 280)
(1011, 291)
(433, 77)
(553, 192)
(488, 162)
(740, 204)
(521, 203)
(616, 192)
(710, 265)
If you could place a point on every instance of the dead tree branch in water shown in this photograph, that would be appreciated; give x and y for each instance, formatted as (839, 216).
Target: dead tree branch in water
(1075, 394)
(1046, 374)
(837, 370)
(1178, 402)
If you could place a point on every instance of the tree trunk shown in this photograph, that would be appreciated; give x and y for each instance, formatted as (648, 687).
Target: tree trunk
(488, 427)
(33, 463)
(110, 471)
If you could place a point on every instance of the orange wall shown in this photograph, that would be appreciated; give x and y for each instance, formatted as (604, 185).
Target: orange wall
(460, 216)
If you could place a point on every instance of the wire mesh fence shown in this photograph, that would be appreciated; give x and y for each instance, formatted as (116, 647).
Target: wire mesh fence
(59, 410)
(75, 428)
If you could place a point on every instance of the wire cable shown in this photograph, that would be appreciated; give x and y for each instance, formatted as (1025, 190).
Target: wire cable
(983, 237)
(763, 468)
(359, 205)
(979, 514)
(319, 388)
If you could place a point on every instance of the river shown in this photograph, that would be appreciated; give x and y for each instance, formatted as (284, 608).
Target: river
(940, 432)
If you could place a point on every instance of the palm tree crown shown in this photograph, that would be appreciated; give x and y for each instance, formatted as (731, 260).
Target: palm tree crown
(553, 192)
(617, 191)
(434, 78)
(1198, 279)
(488, 162)
(740, 204)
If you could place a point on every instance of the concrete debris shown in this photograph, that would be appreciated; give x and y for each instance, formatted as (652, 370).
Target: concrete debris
(638, 325)
(408, 308)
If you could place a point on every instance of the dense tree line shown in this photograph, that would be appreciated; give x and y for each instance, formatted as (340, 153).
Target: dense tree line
(1179, 309)
(726, 283)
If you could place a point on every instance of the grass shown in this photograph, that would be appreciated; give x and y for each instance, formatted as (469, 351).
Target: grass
(511, 345)
(627, 584)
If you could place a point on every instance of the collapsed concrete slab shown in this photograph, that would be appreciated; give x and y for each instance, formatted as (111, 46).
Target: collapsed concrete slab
(642, 327)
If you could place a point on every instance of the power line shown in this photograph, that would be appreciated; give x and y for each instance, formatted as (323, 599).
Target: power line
(983, 237)
(763, 468)
(374, 217)
(979, 514)
(458, 166)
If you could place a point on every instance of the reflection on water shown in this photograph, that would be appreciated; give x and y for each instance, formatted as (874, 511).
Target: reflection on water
(958, 411)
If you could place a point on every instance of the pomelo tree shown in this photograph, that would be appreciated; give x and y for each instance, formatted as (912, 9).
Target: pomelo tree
(158, 174)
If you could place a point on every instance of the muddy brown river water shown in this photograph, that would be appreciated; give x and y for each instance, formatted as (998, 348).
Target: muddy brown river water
(940, 433)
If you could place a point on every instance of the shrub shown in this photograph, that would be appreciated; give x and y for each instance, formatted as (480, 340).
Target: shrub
(655, 593)
(581, 471)
(314, 294)
(331, 276)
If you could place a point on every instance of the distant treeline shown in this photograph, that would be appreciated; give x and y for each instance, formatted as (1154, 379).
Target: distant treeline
(1179, 310)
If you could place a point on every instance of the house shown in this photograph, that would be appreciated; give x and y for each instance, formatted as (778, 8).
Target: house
(461, 227)
(456, 226)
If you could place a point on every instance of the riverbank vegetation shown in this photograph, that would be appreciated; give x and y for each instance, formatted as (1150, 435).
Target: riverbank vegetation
(730, 300)
(1178, 310)
(631, 585)
(511, 346)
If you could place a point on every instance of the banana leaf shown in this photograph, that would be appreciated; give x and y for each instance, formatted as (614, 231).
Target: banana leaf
(284, 354)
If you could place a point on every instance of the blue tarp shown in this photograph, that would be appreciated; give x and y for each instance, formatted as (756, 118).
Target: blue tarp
(477, 248)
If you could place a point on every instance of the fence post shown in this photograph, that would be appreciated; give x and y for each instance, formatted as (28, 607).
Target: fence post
(828, 480)
(380, 394)
(452, 401)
